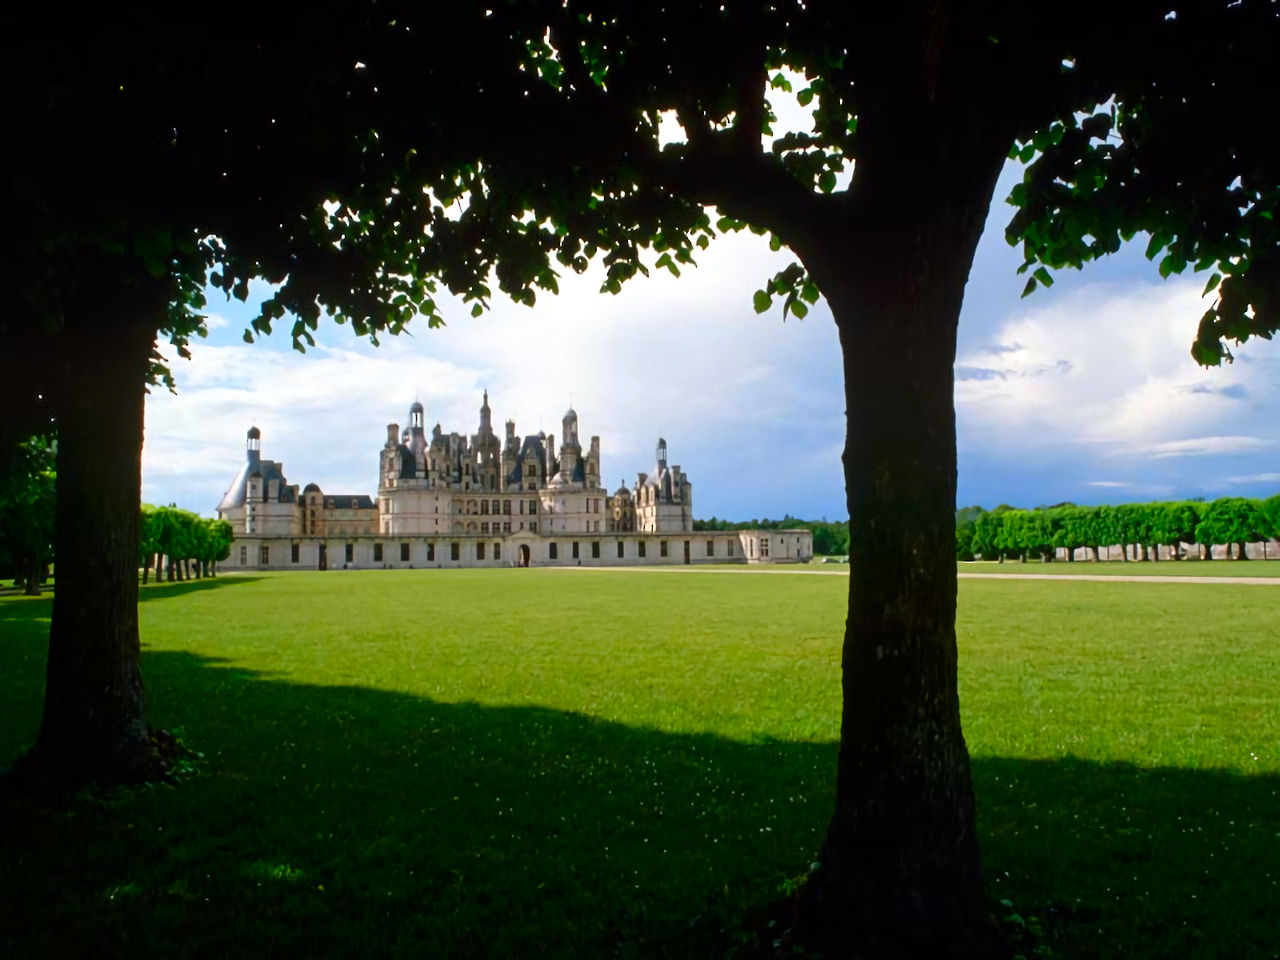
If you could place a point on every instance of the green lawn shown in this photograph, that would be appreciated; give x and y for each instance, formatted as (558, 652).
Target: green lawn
(555, 763)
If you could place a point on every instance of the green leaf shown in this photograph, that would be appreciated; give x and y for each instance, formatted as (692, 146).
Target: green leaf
(805, 96)
(1043, 276)
(1212, 284)
(827, 182)
(761, 301)
(477, 310)
(1031, 285)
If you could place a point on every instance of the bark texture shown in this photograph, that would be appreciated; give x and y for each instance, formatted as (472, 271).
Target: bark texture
(94, 725)
(900, 872)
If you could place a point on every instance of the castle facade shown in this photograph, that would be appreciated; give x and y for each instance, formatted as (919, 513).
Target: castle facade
(452, 500)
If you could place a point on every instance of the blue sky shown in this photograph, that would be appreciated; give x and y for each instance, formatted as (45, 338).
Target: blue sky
(1083, 392)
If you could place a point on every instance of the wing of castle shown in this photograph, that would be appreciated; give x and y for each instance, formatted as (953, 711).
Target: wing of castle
(478, 500)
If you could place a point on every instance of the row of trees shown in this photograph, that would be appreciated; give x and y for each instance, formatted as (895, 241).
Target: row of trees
(181, 544)
(1138, 528)
(27, 492)
(829, 538)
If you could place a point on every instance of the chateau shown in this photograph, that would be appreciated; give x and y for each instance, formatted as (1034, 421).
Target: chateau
(449, 500)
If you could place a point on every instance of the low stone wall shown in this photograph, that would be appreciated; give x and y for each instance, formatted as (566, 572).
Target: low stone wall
(562, 550)
(1262, 550)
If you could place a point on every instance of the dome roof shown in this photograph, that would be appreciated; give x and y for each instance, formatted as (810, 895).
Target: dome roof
(417, 407)
(571, 414)
(311, 488)
(254, 433)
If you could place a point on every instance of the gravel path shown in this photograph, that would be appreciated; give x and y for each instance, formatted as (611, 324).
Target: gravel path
(802, 571)
(1095, 578)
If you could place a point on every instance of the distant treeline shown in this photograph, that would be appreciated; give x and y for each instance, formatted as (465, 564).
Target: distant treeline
(829, 539)
(181, 543)
(1138, 528)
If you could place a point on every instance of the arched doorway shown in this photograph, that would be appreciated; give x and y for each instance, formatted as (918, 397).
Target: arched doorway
(324, 559)
(524, 555)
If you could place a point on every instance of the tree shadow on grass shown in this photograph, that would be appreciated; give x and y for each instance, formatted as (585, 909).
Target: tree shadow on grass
(170, 589)
(346, 821)
(1116, 860)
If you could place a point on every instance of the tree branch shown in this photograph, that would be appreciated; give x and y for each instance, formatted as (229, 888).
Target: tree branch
(753, 187)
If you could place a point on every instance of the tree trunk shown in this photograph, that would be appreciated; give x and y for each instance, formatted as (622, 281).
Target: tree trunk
(32, 586)
(93, 726)
(899, 871)
(1243, 553)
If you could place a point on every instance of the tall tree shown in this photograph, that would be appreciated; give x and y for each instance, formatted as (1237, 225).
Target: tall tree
(915, 107)
(27, 479)
(195, 167)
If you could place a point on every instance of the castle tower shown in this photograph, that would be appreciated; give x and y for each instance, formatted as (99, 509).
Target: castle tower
(253, 446)
(486, 449)
(569, 433)
(593, 463)
(417, 442)
(570, 449)
(510, 455)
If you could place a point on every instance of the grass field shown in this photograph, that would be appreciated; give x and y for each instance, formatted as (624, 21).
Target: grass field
(581, 764)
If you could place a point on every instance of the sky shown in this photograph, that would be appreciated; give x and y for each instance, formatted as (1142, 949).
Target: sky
(1084, 392)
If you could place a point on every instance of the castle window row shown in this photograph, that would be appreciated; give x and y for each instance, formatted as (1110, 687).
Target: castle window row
(323, 553)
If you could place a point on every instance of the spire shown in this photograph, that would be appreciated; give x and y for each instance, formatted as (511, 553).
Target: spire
(253, 445)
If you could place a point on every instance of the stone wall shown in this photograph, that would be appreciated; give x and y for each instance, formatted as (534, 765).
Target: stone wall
(569, 550)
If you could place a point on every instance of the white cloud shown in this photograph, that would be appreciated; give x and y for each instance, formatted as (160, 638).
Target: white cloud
(1255, 478)
(1107, 370)
(741, 398)
(1109, 483)
(1206, 446)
